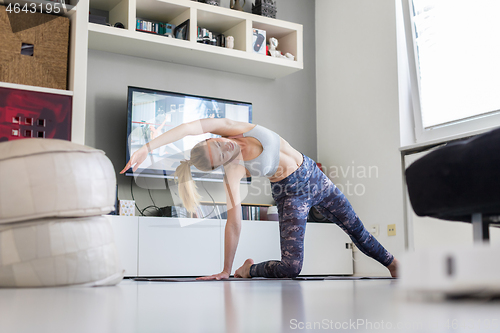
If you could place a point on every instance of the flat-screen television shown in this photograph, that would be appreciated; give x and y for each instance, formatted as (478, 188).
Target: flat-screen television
(153, 112)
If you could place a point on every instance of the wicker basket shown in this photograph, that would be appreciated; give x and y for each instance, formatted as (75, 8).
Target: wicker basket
(264, 8)
(44, 41)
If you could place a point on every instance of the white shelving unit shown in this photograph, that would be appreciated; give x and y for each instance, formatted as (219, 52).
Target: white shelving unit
(77, 67)
(155, 246)
(36, 89)
(241, 59)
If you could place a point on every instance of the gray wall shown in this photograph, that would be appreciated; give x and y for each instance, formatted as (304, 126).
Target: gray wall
(286, 105)
(358, 114)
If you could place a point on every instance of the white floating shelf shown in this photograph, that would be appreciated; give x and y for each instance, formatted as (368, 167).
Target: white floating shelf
(36, 89)
(240, 60)
(150, 46)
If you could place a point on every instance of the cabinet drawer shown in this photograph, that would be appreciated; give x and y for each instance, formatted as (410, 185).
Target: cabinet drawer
(179, 247)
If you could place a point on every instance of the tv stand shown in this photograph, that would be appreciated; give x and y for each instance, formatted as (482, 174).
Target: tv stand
(160, 246)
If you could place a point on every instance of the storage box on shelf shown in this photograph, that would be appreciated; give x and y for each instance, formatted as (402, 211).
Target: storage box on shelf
(34, 48)
(76, 59)
(224, 21)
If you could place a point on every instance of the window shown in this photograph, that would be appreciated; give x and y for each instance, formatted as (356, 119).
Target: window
(456, 54)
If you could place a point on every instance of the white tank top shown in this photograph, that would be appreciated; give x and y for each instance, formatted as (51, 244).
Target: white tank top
(266, 164)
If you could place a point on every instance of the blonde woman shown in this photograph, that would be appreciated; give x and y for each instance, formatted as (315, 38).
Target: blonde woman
(297, 185)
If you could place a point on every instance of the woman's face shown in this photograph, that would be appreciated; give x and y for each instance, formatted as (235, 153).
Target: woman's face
(221, 151)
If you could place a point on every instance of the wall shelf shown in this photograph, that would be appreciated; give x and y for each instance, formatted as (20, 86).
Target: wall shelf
(36, 89)
(149, 46)
(240, 60)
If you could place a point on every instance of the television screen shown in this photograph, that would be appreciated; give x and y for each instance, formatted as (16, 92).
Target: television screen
(153, 112)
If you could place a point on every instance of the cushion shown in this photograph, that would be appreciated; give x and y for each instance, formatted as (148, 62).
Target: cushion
(54, 178)
(57, 252)
(457, 180)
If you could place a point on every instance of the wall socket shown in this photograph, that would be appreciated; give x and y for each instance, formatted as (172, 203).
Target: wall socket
(391, 230)
(374, 229)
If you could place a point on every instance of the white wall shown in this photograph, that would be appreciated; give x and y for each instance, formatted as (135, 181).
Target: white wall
(358, 113)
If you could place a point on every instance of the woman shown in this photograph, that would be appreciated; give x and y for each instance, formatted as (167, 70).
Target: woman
(297, 184)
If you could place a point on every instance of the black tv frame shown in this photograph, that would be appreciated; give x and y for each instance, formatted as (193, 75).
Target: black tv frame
(168, 174)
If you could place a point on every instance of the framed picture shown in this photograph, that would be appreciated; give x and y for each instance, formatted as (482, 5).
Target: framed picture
(182, 30)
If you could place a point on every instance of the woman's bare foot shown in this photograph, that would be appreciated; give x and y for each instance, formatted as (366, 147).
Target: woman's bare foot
(393, 268)
(244, 271)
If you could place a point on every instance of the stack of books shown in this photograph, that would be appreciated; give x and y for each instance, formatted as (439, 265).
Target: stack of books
(254, 213)
(208, 37)
(159, 28)
(219, 211)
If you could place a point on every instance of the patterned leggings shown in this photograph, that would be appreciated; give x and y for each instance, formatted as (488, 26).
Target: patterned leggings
(295, 195)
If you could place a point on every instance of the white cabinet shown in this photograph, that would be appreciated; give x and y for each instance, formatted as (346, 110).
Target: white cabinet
(259, 240)
(126, 234)
(154, 246)
(179, 247)
(325, 250)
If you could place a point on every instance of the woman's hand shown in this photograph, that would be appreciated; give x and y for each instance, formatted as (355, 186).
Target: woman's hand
(220, 276)
(137, 158)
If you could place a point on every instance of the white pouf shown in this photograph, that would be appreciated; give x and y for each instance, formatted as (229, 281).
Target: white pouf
(58, 252)
(54, 178)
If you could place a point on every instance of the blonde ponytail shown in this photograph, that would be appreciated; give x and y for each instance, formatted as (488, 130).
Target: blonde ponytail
(187, 188)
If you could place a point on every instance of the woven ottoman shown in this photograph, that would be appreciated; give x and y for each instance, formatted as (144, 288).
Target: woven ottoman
(58, 252)
(52, 195)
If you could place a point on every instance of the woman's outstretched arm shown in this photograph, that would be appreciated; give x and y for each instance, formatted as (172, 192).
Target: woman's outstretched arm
(233, 224)
(222, 126)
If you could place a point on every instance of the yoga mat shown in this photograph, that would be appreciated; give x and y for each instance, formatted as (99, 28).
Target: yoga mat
(359, 278)
(300, 278)
(229, 279)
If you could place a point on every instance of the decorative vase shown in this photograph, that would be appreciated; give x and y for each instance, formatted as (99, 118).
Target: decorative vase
(235, 4)
(230, 42)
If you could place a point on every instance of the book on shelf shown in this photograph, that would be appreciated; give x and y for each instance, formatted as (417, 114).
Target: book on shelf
(155, 27)
(219, 211)
(208, 37)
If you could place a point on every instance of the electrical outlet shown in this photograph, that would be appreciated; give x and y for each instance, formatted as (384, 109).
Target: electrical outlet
(374, 229)
(391, 230)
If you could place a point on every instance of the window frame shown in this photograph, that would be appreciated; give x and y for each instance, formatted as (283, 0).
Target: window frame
(440, 133)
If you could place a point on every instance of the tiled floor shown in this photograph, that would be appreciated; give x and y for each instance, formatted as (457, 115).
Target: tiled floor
(239, 306)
